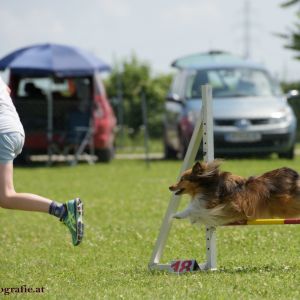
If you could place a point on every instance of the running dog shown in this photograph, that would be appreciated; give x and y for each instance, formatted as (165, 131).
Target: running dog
(219, 198)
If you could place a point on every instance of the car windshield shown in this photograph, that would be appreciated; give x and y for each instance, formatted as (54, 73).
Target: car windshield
(232, 82)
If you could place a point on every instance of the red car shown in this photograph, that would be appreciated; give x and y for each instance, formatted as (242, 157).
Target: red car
(58, 113)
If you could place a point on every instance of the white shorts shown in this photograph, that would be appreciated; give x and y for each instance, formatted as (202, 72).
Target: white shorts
(11, 144)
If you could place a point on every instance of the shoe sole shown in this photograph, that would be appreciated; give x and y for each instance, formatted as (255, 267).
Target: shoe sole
(79, 223)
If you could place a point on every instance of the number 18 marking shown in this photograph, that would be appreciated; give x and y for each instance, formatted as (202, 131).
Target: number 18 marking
(182, 266)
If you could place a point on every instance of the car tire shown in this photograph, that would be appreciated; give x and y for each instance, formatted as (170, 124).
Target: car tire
(290, 154)
(105, 155)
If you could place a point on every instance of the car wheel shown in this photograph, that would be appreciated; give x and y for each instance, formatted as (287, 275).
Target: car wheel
(290, 154)
(105, 155)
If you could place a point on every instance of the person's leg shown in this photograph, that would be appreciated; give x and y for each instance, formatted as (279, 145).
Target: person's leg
(21, 201)
(69, 213)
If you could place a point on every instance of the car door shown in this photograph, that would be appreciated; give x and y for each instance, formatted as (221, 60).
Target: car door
(173, 110)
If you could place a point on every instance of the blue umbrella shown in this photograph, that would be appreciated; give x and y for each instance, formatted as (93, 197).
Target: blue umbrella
(53, 59)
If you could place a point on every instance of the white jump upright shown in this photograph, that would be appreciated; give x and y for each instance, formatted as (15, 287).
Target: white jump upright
(203, 130)
(209, 154)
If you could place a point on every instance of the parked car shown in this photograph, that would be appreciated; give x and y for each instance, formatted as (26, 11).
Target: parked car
(73, 104)
(251, 114)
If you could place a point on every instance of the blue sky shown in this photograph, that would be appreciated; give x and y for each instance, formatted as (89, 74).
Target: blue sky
(156, 31)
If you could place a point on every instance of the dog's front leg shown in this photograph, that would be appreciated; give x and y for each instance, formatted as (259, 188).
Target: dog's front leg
(183, 214)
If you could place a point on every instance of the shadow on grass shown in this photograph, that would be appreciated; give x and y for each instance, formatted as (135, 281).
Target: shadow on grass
(234, 270)
(257, 269)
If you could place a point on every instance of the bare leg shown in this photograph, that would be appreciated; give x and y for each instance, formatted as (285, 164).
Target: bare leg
(10, 199)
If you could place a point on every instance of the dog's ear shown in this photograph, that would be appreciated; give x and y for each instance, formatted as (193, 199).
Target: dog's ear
(198, 168)
(207, 169)
(211, 169)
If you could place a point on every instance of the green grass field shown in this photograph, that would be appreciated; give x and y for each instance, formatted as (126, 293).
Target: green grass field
(124, 206)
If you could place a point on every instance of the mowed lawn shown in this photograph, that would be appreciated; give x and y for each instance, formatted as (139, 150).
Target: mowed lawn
(124, 206)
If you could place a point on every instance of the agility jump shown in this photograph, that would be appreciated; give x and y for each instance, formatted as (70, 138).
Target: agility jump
(203, 130)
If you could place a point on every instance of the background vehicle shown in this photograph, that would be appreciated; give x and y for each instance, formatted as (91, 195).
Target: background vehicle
(59, 95)
(77, 104)
(251, 115)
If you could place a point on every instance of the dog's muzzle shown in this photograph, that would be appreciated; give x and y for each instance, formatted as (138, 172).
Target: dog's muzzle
(177, 192)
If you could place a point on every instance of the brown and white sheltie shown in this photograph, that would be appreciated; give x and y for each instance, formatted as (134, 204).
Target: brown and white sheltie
(219, 198)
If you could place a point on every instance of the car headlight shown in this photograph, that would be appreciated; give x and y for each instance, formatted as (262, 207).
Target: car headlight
(277, 120)
(282, 116)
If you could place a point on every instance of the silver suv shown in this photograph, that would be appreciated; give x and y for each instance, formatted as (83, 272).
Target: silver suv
(251, 115)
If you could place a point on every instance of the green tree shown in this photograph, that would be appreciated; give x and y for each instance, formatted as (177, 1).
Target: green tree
(293, 36)
(289, 3)
(128, 81)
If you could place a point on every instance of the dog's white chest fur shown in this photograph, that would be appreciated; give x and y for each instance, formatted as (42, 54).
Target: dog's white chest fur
(197, 212)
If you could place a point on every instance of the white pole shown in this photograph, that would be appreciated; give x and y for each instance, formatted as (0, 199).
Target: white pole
(208, 151)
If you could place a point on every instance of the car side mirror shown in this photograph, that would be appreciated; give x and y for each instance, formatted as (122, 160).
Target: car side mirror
(292, 94)
(174, 98)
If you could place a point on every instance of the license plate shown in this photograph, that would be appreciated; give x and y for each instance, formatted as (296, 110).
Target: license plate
(236, 137)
